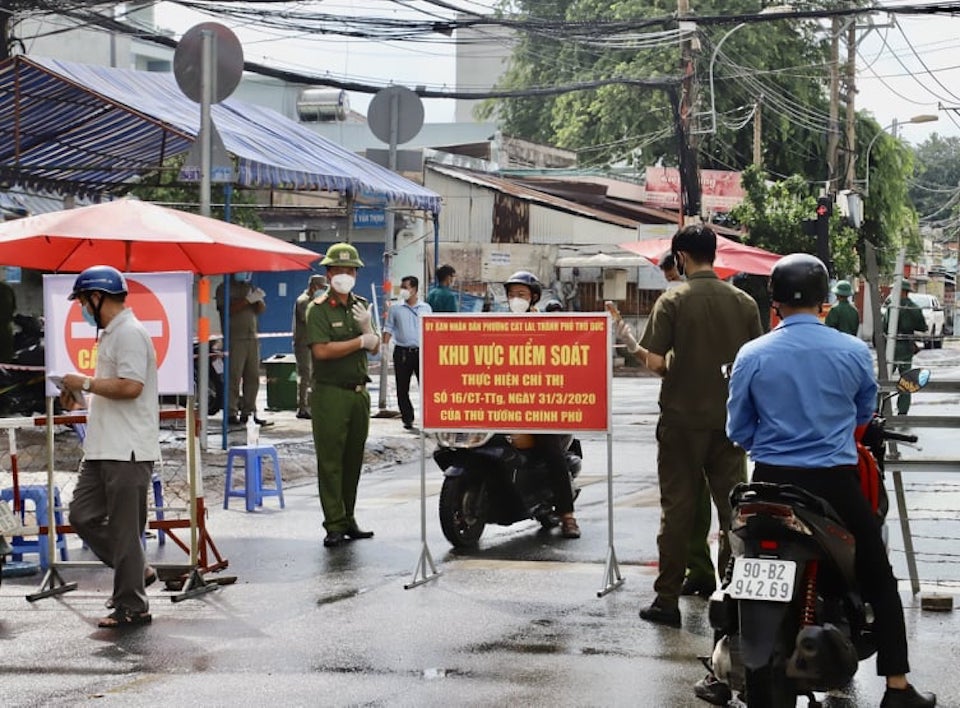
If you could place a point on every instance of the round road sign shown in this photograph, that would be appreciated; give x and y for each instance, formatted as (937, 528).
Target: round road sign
(188, 62)
(81, 337)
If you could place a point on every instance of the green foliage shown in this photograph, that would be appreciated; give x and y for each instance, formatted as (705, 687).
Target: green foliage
(890, 221)
(774, 213)
(936, 176)
(621, 123)
(163, 187)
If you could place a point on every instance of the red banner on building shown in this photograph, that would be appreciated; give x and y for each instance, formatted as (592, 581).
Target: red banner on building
(720, 189)
(515, 373)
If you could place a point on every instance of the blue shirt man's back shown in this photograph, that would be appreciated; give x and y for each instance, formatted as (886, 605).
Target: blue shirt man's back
(797, 393)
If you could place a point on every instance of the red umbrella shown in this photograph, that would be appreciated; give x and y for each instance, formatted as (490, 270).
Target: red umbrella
(732, 257)
(135, 236)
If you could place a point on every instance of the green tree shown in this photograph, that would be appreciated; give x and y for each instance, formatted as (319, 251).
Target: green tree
(621, 123)
(163, 186)
(936, 181)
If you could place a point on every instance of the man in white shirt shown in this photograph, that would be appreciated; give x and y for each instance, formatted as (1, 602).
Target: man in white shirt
(403, 326)
(109, 506)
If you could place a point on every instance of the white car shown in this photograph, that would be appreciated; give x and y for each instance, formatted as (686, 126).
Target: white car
(932, 315)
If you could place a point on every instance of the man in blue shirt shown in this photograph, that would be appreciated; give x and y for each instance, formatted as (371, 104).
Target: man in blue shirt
(796, 395)
(403, 326)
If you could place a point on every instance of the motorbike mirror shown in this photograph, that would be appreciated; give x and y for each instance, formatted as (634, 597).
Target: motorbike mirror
(913, 380)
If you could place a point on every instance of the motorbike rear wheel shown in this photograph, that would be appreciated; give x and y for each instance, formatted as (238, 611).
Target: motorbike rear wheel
(463, 510)
(769, 688)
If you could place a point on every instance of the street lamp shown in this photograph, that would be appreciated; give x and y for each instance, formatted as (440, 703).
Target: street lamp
(769, 10)
(922, 118)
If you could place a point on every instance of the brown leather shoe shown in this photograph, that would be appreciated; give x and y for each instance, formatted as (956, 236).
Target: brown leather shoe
(569, 527)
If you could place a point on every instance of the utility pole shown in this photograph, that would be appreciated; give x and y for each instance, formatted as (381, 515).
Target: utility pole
(850, 82)
(757, 131)
(689, 173)
(6, 20)
(833, 129)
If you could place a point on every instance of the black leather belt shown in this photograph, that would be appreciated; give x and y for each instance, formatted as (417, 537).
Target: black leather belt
(409, 349)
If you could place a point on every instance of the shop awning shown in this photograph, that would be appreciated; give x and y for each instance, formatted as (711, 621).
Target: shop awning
(86, 129)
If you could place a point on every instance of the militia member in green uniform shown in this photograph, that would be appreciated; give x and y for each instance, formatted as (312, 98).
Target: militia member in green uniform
(843, 316)
(341, 332)
(693, 331)
(910, 320)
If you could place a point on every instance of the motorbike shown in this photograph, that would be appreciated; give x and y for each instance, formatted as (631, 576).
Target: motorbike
(214, 377)
(23, 391)
(789, 613)
(496, 478)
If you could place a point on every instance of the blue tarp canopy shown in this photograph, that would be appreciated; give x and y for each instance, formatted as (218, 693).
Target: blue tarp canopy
(86, 129)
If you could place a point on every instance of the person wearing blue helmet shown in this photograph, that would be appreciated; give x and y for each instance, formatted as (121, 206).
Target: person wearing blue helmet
(109, 506)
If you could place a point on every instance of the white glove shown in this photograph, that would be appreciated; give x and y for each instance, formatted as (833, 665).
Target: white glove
(625, 334)
(362, 316)
(255, 295)
(369, 341)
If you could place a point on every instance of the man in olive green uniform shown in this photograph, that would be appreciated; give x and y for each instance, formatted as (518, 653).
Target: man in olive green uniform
(843, 316)
(341, 332)
(301, 347)
(693, 331)
(909, 321)
(246, 305)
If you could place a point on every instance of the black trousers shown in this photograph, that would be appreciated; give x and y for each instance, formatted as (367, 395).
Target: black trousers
(406, 364)
(553, 454)
(839, 487)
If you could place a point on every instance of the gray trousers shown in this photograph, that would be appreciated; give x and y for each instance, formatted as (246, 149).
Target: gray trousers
(304, 358)
(245, 366)
(109, 512)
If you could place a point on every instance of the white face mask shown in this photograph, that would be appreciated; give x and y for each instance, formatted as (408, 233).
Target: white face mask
(404, 295)
(518, 305)
(343, 283)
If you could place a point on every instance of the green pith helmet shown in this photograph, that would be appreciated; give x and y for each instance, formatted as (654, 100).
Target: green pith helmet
(342, 254)
(843, 289)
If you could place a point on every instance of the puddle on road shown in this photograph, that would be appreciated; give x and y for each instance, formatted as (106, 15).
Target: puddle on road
(343, 595)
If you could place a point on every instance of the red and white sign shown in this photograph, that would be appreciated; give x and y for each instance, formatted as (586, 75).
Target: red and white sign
(720, 189)
(163, 302)
(516, 373)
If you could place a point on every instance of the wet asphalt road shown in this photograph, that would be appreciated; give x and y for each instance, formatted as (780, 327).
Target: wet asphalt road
(516, 623)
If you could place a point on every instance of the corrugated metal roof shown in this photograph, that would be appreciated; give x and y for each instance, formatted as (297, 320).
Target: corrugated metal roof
(611, 210)
(515, 189)
(84, 129)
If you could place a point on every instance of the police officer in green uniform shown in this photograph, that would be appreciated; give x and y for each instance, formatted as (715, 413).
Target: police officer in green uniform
(341, 332)
(909, 321)
(843, 316)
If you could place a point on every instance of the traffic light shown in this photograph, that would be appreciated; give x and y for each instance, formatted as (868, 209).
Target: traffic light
(824, 210)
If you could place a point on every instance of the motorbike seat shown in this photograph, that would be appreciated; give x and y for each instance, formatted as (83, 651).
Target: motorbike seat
(783, 494)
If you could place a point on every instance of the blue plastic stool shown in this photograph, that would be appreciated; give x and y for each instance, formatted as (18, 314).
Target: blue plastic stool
(253, 491)
(37, 493)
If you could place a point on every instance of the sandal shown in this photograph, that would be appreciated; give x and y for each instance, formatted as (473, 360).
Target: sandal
(569, 527)
(121, 618)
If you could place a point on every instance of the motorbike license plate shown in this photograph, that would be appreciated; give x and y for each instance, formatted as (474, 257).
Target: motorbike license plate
(762, 579)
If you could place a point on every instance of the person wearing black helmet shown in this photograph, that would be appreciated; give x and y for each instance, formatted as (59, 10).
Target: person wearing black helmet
(693, 331)
(795, 414)
(523, 291)
(109, 506)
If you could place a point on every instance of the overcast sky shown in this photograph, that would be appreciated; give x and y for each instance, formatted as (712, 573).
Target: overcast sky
(904, 69)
